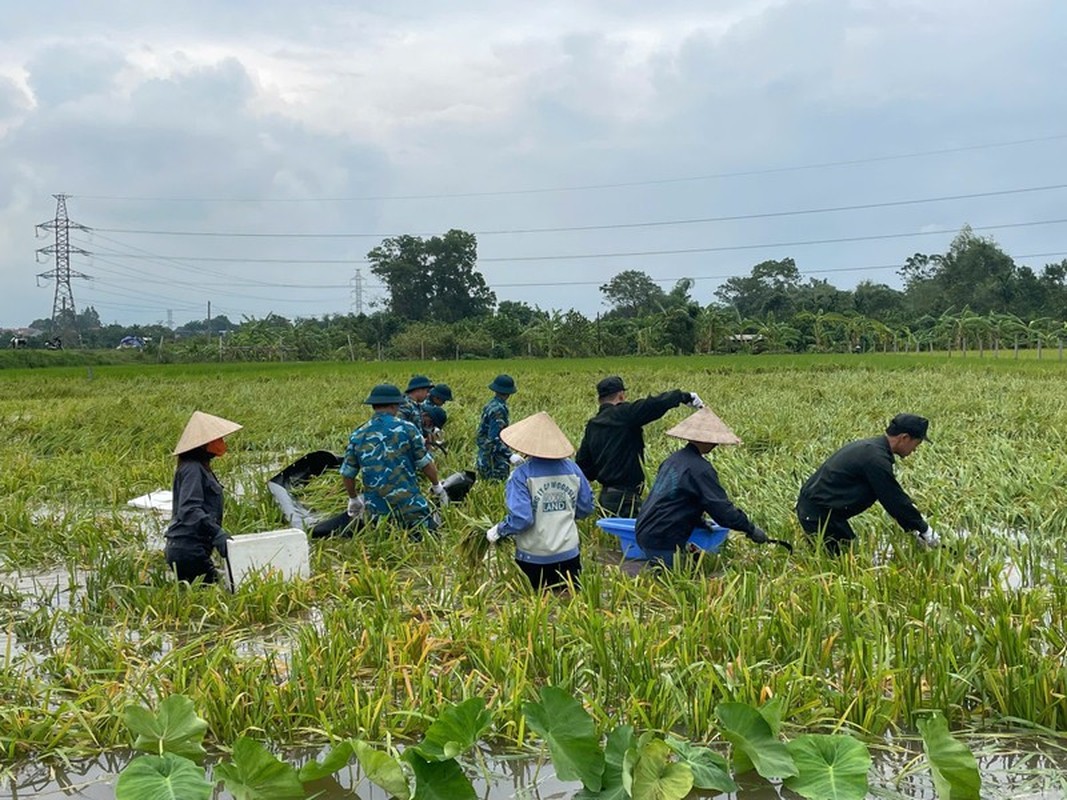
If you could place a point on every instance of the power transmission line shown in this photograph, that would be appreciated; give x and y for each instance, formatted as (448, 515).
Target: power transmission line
(605, 227)
(592, 186)
(620, 254)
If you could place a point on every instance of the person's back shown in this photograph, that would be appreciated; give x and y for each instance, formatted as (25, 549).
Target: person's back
(494, 457)
(844, 482)
(856, 476)
(390, 454)
(613, 446)
(545, 496)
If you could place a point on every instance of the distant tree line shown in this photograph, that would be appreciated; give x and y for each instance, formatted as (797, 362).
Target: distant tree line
(972, 297)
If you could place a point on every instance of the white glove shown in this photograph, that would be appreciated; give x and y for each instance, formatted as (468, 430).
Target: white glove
(928, 538)
(355, 505)
(695, 401)
(440, 493)
(515, 459)
(493, 535)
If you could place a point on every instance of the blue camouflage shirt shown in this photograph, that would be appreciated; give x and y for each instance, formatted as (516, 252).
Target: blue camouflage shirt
(411, 412)
(493, 454)
(389, 452)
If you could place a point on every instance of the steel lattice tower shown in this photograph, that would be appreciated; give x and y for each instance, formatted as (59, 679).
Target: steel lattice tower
(64, 312)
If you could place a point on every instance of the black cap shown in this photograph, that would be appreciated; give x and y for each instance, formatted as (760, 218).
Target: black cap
(609, 386)
(911, 424)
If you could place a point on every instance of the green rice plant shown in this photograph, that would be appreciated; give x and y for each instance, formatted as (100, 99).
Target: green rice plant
(386, 626)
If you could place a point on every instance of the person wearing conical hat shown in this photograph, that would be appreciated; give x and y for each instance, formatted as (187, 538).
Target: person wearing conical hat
(687, 487)
(545, 496)
(494, 457)
(196, 523)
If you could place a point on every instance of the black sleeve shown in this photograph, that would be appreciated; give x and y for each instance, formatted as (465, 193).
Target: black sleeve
(652, 408)
(893, 498)
(718, 506)
(188, 502)
(585, 461)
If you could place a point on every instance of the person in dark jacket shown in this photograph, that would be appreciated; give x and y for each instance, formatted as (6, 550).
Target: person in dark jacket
(196, 524)
(853, 478)
(686, 488)
(613, 447)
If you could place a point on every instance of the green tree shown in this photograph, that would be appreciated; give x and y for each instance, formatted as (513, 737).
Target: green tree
(771, 287)
(974, 273)
(632, 293)
(433, 279)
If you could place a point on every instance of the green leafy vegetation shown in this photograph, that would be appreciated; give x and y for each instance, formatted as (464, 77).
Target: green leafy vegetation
(387, 634)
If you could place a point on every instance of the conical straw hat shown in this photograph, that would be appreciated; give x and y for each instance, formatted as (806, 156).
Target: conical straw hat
(538, 436)
(203, 428)
(704, 426)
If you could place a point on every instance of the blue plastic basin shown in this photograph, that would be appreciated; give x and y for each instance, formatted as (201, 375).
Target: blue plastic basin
(709, 539)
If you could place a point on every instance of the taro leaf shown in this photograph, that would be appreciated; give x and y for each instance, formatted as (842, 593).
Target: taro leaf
(255, 774)
(750, 734)
(572, 739)
(455, 731)
(176, 729)
(656, 778)
(710, 770)
(338, 757)
(438, 780)
(831, 767)
(611, 787)
(166, 777)
(953, 766)
(773, 711)
(384, 770)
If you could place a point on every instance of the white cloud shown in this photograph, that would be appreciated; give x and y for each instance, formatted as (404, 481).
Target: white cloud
(324, 99)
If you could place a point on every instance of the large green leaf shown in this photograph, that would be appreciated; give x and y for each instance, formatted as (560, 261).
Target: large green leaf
(438, 780)
(457, 730)
(612, 786)
(750, 734)
(166, 777)
(255, 774)
(954, 768)
(176, 729)
(773, 711)
(572, 739)
(656, 777)
(710, 770)
(384, 770)
(338, 757)
(831, 767)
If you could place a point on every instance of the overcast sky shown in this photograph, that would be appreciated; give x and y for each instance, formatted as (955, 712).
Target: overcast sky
(330, 118)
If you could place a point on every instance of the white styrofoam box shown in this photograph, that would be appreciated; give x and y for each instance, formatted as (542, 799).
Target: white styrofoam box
(284, 551)
(159, 500)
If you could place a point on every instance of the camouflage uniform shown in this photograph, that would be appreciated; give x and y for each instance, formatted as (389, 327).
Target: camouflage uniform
(390, 453)
(493, 454)
(411, 412)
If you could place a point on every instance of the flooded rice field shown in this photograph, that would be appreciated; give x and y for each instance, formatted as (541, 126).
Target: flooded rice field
(1012, 768)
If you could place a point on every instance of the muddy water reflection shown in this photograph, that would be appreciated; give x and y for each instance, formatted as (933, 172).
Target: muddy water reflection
(1020, 769)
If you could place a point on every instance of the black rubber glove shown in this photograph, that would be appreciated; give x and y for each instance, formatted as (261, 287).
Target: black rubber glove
(758, 535)
(219, 542)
